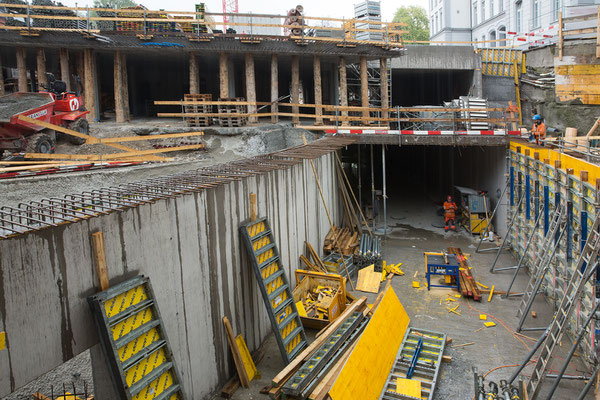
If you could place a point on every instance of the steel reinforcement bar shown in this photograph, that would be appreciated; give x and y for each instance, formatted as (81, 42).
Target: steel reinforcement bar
(37, 215)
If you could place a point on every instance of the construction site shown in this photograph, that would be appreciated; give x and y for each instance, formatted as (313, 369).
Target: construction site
(207, 203)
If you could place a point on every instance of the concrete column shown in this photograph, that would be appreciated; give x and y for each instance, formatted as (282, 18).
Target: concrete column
(295, 88)
(477, 88)
(250, 86)
(89, 83)
(274, 88)
(119, 87)
(80, 66)
(223, 76)
(318, 90)
(126, 112)
(41, 68)
(2, 88)
(22, 69)
(65, 74)
(194, 87)
(343, 85)
(385, 94)
(364, 88)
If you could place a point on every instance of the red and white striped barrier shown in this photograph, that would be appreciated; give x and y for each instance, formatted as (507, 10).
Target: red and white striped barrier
(67, 168)
(421, 133)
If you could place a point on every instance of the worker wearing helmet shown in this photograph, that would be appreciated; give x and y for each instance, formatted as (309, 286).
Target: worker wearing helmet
(449, 213)
(539, 129)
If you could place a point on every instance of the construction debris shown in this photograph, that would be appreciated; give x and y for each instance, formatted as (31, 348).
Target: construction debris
(368, 280)
(468, 287)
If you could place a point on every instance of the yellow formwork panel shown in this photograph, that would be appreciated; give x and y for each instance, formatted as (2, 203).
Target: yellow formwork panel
(156, 387)
(146, 366)
(368, 367)
(120, 303)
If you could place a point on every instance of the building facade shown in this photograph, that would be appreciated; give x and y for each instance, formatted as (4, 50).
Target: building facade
(495, 23)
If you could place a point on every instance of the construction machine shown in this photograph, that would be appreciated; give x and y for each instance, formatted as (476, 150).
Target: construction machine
(55, 105)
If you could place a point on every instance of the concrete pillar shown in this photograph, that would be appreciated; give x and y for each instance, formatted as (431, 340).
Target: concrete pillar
(2, 88)
(223, 76)
(295, 88)
(477, 88)
(120, 84)
(89, 83)
(194, 86)
(80, 67)
(274, 88)
(22, 68)
(364, 88)
(65, 74)
(126, 112)
(343, 85)
(41, 68)
(318, 90)
(250, 86)
(385, 94)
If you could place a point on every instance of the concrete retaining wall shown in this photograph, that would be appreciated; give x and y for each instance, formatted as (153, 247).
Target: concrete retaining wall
(190, 248)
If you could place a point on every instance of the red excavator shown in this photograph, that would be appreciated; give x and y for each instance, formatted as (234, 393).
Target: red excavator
(55, 105)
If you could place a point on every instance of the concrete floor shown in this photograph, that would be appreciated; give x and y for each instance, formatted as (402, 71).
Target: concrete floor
(413, 233)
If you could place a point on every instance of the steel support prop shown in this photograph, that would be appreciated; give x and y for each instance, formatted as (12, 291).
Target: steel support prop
(512, 222)
(477, 250)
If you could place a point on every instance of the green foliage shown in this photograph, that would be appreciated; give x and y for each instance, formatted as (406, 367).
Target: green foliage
(417, 23)
(114, 3)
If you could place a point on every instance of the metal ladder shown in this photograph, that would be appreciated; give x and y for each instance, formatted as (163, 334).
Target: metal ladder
(274, 287)
(541, 265)
(584, 270)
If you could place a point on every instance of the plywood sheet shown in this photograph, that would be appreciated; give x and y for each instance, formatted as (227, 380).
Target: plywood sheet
(368, 280)
(375, 352)
(408, 387)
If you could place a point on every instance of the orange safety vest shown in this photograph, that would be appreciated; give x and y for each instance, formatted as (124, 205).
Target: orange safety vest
(539, 130)
(449, 209)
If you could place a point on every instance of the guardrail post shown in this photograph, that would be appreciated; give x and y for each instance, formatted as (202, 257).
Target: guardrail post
(560, 35)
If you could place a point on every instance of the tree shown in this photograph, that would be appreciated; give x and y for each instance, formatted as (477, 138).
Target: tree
(417, 23)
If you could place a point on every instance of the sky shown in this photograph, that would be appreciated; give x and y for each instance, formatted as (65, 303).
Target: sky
(317, 8)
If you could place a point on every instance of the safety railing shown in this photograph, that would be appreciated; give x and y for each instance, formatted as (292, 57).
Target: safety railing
(139, 20)
(325, 116)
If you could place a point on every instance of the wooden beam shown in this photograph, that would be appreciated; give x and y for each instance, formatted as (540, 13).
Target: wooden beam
(118, 87)
(115, 156)
(223, 76)
(383, 74)
(295, 86)
(250, 85)
(80, 68)
(274, 88)
(237, 357)
(560, 36)
(100, 259)
(318, 90)
(90, 83)
(89, 139)
(364, 85)
(594, 127)
(343, 85)
(253, 210)
(22, 68)
(41, 68)
(148, 137)
(65, 74)
(194, 86)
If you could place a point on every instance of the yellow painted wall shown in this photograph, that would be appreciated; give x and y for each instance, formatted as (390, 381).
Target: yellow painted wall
(577, 78)
(566, 161)
(369, 365)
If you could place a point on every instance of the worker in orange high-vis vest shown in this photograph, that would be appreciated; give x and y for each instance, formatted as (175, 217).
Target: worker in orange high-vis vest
(449, 213)
(539, 129)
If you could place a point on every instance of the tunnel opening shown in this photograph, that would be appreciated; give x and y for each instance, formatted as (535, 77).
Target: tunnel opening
(418, 179)
(429, 87)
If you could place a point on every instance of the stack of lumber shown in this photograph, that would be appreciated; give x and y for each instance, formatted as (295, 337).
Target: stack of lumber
(325, 379)
(468, 286)
(341, 239)
(238, 112)
(197, 109)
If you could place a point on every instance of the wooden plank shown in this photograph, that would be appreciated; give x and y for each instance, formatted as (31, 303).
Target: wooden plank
(249, 365)
(285, 373)
(148, 137)
(100, 259)
(115, 156)
(374, 354)
(230, 387)
(253, 211)
(322, 389)
(368, 280)
(237, 357)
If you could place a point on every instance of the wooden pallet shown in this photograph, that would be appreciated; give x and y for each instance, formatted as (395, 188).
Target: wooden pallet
(468, 287)
(195, 109)
(233, 109)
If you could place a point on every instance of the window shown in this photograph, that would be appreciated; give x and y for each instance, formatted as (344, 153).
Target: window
(518, 19)
(536, 14)
(474, 13)
(502, 35)
(482, 10)
(501, 6)
(493, 37)
(431, 27)
(557, 7)
(436, 22)
(491, 8)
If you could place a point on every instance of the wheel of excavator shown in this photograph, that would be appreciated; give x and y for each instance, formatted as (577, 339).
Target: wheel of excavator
(40, 142)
